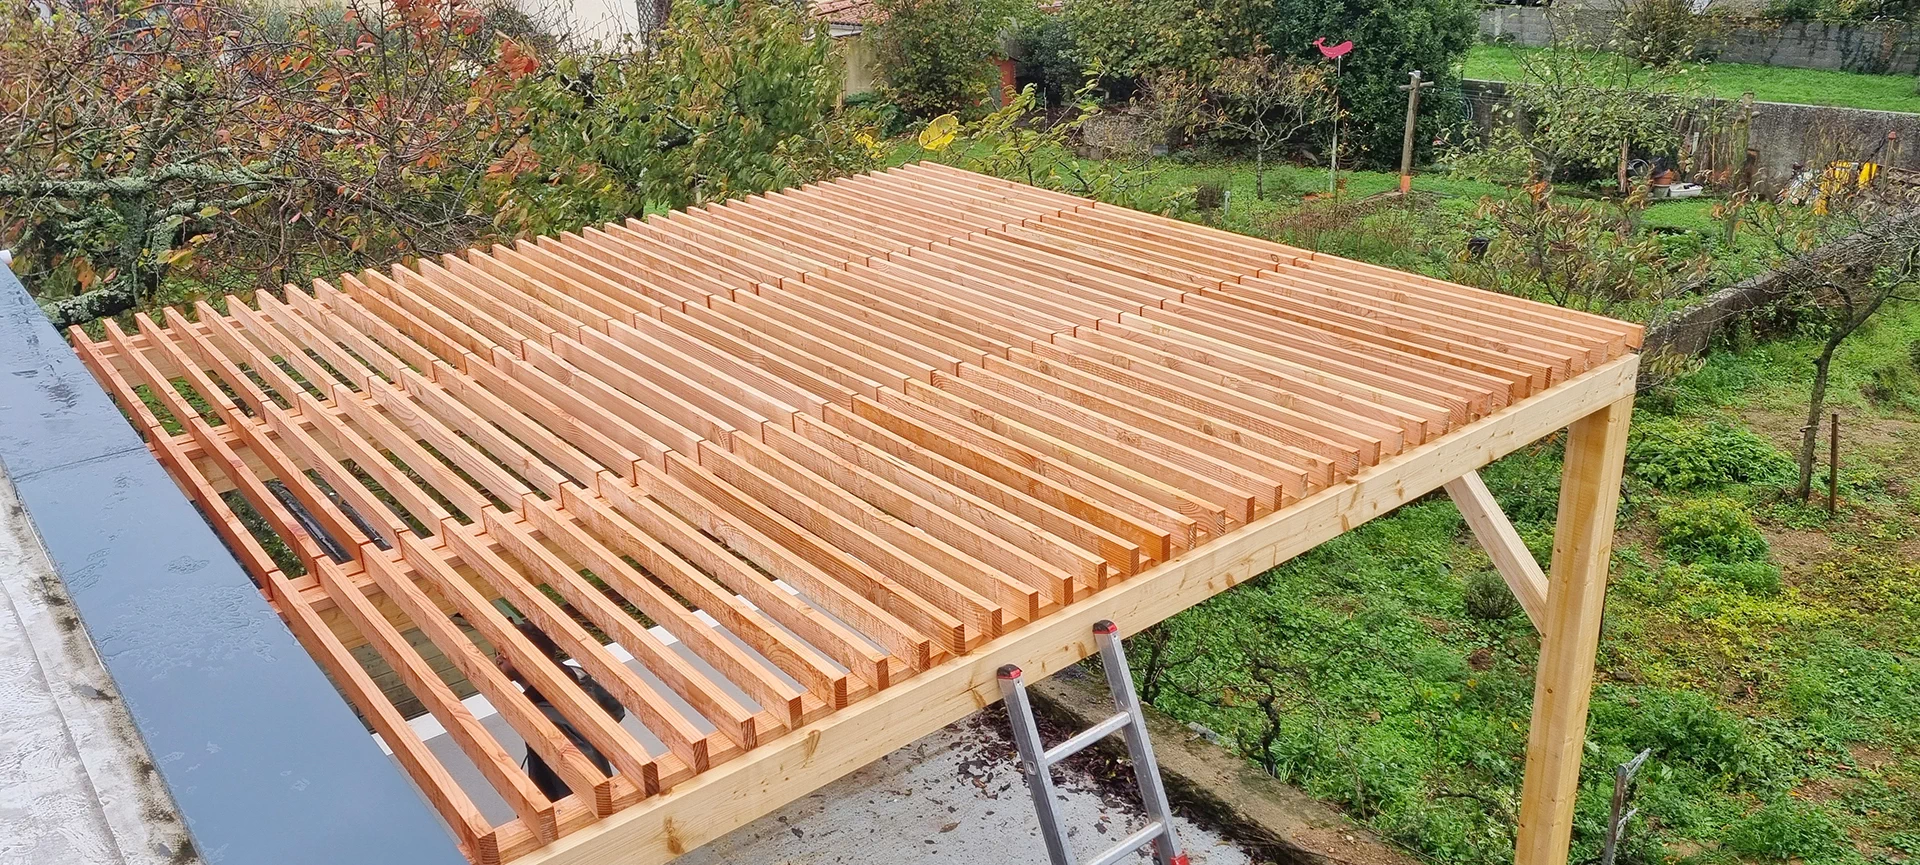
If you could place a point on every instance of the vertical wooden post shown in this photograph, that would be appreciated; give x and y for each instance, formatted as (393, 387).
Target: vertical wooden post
(1413, 88)
(1576, 594)
(1833, 466)
(1625, 152)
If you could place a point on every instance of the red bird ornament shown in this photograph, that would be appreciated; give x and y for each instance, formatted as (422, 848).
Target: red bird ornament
(1332, 52)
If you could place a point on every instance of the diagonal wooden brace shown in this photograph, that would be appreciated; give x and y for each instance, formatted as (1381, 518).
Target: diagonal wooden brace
(1496, 533)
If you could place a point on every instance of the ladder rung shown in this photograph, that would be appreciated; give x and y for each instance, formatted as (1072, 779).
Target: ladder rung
(1133, 842)
(1079, 741)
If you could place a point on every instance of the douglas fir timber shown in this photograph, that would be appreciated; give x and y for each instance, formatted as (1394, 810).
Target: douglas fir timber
(790, 476)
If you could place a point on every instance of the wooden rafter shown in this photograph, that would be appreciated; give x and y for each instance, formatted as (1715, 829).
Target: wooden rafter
(848, 446)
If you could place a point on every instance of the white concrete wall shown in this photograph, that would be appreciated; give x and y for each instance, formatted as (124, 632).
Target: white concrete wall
(604, 21)
(856, 51)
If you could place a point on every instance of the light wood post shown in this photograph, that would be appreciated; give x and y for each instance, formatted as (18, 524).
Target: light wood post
(1576, 594)
(1413, 87)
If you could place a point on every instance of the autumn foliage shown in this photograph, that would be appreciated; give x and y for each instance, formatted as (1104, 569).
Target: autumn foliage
(149, 148)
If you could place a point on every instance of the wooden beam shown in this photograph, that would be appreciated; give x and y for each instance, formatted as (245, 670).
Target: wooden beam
(1510, 555)
(1576, 596)
(730, 796)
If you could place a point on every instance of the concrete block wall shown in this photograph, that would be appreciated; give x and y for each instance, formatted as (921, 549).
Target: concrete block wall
(1878, 48)
(1782, 133)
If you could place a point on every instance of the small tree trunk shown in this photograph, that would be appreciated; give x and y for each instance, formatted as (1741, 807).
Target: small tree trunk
(1157, 639)
(1624, 153)
(1260, 172)
(1810, 435)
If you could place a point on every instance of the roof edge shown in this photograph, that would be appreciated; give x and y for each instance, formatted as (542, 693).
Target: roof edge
(264, 760)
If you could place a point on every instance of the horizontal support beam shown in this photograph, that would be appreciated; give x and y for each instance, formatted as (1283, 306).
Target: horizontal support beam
(730, 796)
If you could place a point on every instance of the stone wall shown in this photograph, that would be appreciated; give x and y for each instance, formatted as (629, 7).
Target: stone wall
(1690, 332)
(1879, 47)
(1782, 133)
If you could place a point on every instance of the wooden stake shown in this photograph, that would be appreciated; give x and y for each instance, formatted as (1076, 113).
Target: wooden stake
(1413, 87)
(1333, 164)
(1833, 466)
(1576, 594)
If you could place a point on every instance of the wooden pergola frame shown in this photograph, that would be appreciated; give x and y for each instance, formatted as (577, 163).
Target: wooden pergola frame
(852, 447)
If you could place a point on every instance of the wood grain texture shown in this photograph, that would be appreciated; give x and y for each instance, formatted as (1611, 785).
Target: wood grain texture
(1570, 632)
(818, 461)
(1511, 558)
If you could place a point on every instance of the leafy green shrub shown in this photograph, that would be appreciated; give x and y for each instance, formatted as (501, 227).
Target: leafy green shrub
(737, 98)
(1209, 197)
(933, 55)
(1684, 456)
(1711, 530)
(1488, 598)
(1049, 58)
(1787, 829)
(1126, 40)
(1390, 38)
(1685, 727)
(874, 111)
(1664, 32)
(1753, 578)
(1889, 385)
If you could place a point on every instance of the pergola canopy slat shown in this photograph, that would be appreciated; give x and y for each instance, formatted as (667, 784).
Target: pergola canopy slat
(809, 460)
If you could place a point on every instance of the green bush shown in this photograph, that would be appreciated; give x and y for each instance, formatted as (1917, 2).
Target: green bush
(1664, 32)
(1753, 578)
(1390, 39)
(1685, 727)
(1711, 530)
(1488, 598)
(933, 56)
(1787, 829)
(1124, 41)
(1684, 456)
(1049, 58)
(1890, 385)
(737, 98)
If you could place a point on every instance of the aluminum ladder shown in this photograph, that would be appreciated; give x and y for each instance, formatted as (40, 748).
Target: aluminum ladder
(1037, 760)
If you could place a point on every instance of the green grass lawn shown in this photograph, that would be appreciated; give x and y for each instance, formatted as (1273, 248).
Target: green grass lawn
(1429, 240)
(1731, 80)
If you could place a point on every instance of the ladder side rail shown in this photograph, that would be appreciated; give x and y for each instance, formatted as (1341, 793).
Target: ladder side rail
(1146, 771)
(1033, 762)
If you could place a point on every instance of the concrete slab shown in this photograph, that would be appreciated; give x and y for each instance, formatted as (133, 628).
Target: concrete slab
(1268, 817)
(952, 798)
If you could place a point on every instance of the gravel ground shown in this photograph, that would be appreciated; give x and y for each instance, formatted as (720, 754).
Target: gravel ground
(955, 796)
